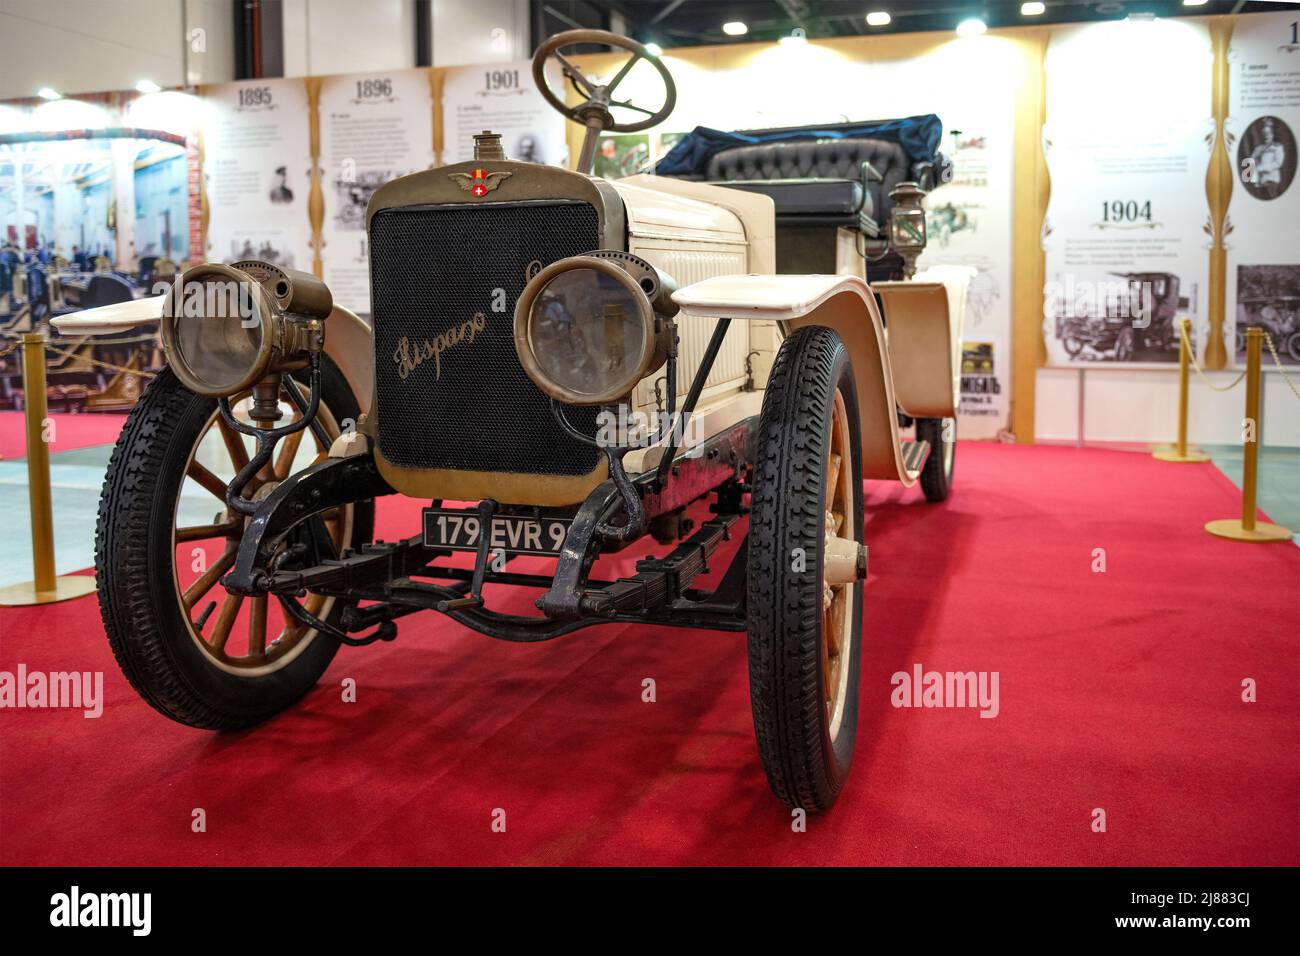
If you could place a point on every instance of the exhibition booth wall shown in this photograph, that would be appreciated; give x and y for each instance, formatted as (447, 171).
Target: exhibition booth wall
(1053, 149)
(1080, 193)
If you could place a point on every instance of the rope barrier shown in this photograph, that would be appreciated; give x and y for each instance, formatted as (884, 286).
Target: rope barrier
(1182, 331)
(1268, 339)
(78, 340)
(69, 354)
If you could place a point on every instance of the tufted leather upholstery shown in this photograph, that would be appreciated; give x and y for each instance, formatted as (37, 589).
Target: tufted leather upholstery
(840, 181)
(817, 159)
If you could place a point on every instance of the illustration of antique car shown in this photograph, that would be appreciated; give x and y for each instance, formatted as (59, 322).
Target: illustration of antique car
(1136, 316)
(520, 312)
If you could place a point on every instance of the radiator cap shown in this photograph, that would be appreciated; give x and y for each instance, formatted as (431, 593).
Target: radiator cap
(487, 145)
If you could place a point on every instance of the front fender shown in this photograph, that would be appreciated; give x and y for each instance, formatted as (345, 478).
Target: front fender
(840, 302)
(348, 340)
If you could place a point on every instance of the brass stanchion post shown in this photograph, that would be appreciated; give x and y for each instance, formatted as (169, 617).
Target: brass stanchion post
(45, 588)
(1248, 529)
(1180, 452)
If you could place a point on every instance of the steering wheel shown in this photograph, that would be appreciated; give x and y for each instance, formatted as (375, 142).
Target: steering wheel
(594, 112)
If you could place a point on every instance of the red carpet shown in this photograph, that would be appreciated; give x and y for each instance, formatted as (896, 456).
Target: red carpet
(70, 432)
(1119, 691)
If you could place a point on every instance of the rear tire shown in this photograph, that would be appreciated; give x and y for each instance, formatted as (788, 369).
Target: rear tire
(135, 564)
(936, 475)
(1293, 346)
(804, 655)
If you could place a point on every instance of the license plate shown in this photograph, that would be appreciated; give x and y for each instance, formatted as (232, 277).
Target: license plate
(458, 530)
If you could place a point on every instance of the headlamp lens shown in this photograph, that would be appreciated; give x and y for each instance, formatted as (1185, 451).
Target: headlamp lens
(587, 332)
(217, 333)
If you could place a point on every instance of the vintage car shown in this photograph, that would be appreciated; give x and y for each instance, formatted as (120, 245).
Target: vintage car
(564, 368)
(1132, 322)
(1277, 315)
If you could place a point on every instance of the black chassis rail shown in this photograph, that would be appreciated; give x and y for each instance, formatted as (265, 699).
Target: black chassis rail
(660, 592)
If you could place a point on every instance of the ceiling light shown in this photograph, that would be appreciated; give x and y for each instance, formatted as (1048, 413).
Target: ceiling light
(794, 39)
(147, 86)
(878, 18)
(1193, 3)
(1035, 9)
(654, 49)
(971, 28)
(46, 93)
(735, 28)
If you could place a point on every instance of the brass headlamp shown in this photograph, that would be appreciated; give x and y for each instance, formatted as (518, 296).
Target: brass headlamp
(590, 327)
(225, 328)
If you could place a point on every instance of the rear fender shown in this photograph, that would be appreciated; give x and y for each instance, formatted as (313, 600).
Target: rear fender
(842, 303)
(924, 317)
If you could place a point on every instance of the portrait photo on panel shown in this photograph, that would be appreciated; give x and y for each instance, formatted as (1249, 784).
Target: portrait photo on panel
(1266, 158)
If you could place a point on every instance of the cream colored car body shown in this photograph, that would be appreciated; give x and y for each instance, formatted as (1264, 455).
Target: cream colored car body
(719, 245)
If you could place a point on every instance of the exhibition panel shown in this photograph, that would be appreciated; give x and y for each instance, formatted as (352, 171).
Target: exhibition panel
(868, 437)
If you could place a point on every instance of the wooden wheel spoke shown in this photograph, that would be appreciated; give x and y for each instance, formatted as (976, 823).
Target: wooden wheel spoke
(215, 626)
(257, 628)
(291, 633)
(838, 571)
(204, 584)
(288, 452)
(208, 480)
(225, 621)
(203, 531)
(234, 444)
(835, 622)
(833, 475)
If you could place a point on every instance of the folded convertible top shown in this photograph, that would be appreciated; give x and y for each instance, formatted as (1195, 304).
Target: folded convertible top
(918, 135)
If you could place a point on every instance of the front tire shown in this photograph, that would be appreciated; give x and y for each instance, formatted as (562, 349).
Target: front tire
(805, 629)
(158, 594)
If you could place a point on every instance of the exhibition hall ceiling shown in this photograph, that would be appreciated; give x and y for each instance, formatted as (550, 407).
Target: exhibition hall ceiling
(673, 23)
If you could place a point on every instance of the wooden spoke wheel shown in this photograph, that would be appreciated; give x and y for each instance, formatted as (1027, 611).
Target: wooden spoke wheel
(230, 629)
(806, 562)
(165, 538)
(839, 571)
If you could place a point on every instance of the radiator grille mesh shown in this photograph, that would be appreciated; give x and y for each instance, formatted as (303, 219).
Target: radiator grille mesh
(471, 408)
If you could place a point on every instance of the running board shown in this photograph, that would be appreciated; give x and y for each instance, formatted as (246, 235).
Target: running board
(914, 455)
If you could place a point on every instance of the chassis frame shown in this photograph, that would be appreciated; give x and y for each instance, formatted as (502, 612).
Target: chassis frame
(384, 572)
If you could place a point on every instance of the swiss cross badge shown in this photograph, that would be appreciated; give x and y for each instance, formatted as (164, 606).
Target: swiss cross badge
(479, 182)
